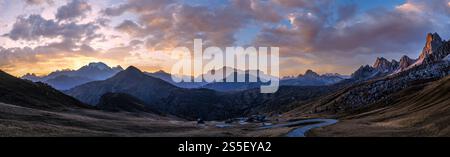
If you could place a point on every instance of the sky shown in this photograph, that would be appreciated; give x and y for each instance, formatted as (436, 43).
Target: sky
(327, 36)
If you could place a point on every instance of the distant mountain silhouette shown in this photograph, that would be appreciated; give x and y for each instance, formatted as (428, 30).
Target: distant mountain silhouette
(130, 81)
(218, 86)
(231, 83)
(311, 78)
(64, 82)
(66, 79)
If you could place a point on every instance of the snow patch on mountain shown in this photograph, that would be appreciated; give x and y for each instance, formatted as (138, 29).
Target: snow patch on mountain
(67, 78)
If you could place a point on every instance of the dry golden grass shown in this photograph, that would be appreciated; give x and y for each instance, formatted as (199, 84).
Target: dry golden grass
(421, 110)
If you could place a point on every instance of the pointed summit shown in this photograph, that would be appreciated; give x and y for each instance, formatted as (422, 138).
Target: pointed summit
(310, 73)
(98, 65)
(381, 62)
(433, 42)
(133, 69)
(161, 72)
(31, 76)
(131, 73)
(364, 72)
(405, 62)
(118, 67)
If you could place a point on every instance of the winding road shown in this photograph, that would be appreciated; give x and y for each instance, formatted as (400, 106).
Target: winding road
(300, 132)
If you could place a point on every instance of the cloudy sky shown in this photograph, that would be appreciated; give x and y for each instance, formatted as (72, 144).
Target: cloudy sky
(40, 36)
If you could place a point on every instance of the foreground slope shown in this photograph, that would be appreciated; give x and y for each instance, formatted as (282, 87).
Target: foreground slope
(35, 95)
(421, 110)
(20, 121)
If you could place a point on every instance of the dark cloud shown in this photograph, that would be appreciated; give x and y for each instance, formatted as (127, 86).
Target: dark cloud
(167, 24)
(257, 10)
(136, 42)
(131, 28)
(138, 6)
(38, 2)
(295, 3)
(118, 53)
(375, 31)
(73, 10)
(382, 31)
(346, 12)
(178, 24)
(34, 27)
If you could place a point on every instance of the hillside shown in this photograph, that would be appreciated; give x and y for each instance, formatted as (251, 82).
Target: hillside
(33, 95)
(420, 110)
(120, 102)
(131, 81)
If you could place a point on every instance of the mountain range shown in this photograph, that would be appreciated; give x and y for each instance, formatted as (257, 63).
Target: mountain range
(311, 78)
(386, 78)
(435, 50)
(66, 79)
(203, 103)
(155, 94)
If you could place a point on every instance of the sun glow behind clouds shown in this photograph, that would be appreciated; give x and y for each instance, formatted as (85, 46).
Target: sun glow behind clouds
(50, 65)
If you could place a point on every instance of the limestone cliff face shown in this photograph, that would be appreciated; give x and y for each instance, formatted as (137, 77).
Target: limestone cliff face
(435, 49)
(383, 65)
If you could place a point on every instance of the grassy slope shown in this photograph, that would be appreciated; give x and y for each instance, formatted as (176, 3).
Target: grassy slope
(421, 110)
(35, 95)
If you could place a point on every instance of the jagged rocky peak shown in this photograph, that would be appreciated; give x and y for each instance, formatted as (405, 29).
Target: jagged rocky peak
(395, 63)
(118, 67)
(161, 72)
(310, 73)
(381, 62)
(98, 65)
(31, 76)
(383, 65)
(133, 69)
(363, 72)
(130, 73)
(405, 62)
(433, 42)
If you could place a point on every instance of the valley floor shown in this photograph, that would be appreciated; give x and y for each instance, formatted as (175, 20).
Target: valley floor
(18, 121)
